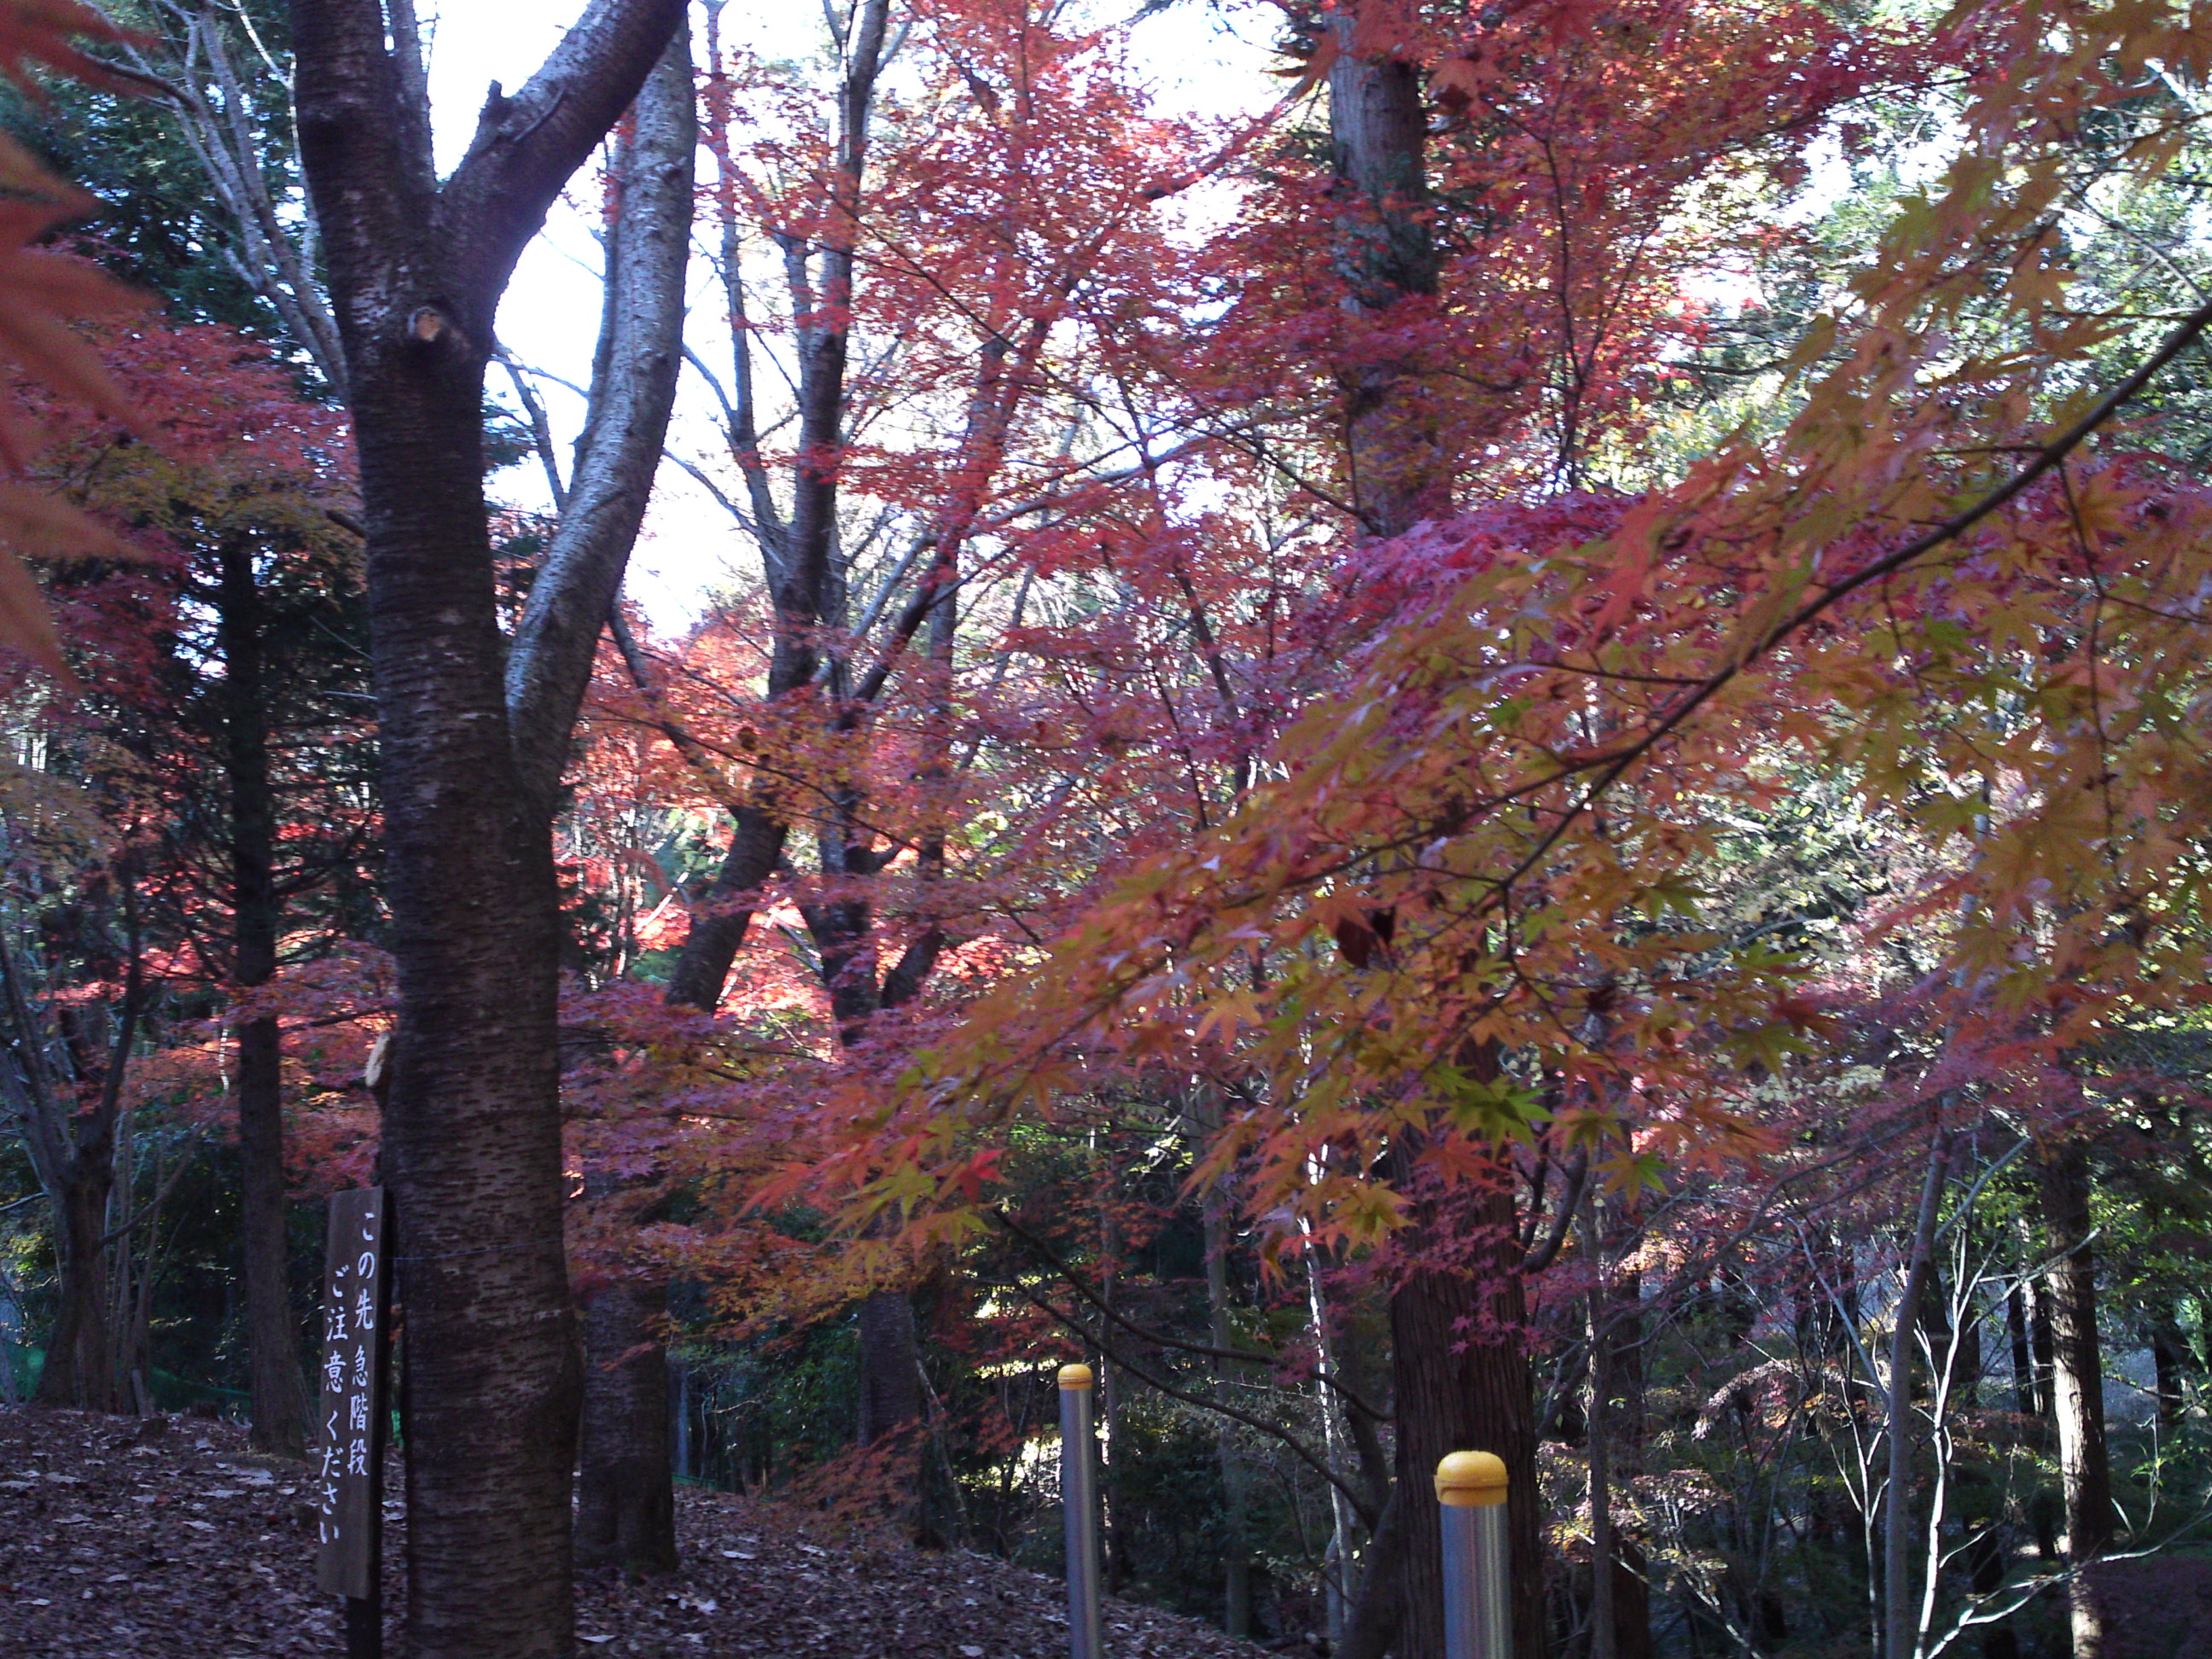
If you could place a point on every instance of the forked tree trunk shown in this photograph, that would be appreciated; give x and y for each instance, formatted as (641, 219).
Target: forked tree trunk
(472, 1128)
(272, 1338)
(73, 1150)
(2077, 1386)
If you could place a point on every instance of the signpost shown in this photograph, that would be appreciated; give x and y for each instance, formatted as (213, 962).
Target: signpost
(348, 1466)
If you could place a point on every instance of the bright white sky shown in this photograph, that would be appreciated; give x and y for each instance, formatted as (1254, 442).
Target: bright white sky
(1204, 59)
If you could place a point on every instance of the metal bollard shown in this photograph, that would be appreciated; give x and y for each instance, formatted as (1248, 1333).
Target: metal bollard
(1078, 1497)
(1478, 1595)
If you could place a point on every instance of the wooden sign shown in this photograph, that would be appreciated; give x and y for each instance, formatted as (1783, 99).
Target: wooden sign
(349, 1440)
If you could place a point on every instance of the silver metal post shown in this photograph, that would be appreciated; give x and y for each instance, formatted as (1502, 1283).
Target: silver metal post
(1078, 1497)
(1478, 1588)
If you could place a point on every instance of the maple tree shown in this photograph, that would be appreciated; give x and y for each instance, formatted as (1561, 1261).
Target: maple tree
(1348, 784)
(1467, 885)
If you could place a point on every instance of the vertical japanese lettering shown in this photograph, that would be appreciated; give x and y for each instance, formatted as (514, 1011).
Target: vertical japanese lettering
(352, 1404)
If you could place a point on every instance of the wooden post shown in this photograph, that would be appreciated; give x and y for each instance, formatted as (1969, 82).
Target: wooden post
(348, 1467)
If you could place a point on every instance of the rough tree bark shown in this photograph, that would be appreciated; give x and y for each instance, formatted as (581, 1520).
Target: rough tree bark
(1459, 1375)
(2077, 1392)
(626, 1491)
(890, 1374)
(1387, 261)
(471, 1131)
(1461, 1381)
(272, 1337)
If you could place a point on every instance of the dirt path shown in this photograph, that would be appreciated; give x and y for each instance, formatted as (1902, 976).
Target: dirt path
(165, 1538)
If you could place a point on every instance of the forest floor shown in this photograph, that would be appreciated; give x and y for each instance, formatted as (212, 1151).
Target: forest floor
(164, 1538)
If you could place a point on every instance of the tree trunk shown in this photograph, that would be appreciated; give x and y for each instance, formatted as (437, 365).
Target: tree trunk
(1387, 260)
(1236, 1498)
(472, 1128)
(2043, 1357)
(2078, 1385)
(2172, 1361)
(1986, 1567)
(1632, 1592)
(272, 1338)
(798, 556)
(2026, 1400)
(1377, 1616)
(890, 1366)
(73, 1150)
(1336, 1588)
(1900, 1608)
(626, 1494)
(1460, 1378)
(471, 1133)
(80, 1372)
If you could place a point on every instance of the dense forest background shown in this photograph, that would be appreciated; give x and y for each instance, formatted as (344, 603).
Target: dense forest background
(1509, 751)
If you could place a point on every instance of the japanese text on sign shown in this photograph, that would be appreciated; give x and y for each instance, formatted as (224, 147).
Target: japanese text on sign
(346, 1439)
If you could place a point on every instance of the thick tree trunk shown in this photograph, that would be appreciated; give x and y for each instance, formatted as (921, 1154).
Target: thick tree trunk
(890, 1366)
(472, 1129)
(1460, 1378)
(272, 1338)
(626, 1494)
(2078, 1385)
(1387, 261)
(81, 1373)
(471, 1133)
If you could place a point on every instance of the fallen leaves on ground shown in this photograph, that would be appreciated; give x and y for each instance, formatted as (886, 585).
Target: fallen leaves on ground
(128, 1537)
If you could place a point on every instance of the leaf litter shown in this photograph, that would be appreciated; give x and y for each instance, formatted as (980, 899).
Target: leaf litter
(128, 1537)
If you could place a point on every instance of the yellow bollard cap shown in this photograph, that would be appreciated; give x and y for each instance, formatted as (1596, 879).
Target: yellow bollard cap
(1075, 1377)
(1471, 1478)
